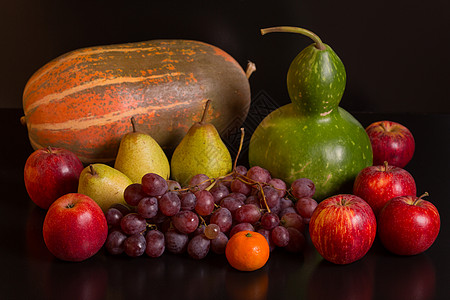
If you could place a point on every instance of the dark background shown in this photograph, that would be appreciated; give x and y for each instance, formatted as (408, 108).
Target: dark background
(395, 52)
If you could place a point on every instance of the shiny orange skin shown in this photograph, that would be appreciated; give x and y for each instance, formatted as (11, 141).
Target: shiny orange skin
(247, 251)
(83, 101)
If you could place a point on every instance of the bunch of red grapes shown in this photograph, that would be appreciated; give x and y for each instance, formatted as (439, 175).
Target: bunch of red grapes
(163, 216)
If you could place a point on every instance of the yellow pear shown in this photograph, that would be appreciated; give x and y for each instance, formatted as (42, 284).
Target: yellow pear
(140, 154)
(104, 184)
(201, 151)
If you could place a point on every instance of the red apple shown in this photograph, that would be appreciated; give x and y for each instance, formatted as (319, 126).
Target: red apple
(51, 173)
(343, 228)
(408, 225)
(391, 142)
(379, 184)
(75, 227)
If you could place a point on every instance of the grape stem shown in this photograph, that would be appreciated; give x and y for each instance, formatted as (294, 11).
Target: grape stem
(318, 42)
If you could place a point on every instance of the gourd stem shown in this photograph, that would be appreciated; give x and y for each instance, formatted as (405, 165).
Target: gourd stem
(205, 111)
(133, 123)
(318, 42)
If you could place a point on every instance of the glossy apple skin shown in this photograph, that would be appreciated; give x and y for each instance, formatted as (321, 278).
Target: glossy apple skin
(343, 228)
(379, 184)
(50, 173)
(408, 225)
(74, 228)
(391, 142)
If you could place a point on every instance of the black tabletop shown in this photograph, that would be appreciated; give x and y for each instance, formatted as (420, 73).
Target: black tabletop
(29, 271)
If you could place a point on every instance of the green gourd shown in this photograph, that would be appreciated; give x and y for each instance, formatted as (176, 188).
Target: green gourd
(312, 137)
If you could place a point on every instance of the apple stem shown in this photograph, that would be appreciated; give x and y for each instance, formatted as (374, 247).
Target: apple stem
(420, 198)
(386, 164)
(49, 148)
(91, 168)
(318, 42)
(205, 111)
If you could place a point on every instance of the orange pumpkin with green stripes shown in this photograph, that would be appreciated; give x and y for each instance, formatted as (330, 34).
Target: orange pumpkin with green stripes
(83, 100)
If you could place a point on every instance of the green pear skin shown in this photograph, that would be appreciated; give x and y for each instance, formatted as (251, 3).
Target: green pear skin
(104, 184)
(201, 151)
(140, 154)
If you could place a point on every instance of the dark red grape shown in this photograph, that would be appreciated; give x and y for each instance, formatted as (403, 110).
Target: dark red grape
(253, 199)
(205, 202)
(154, 185)
(303, 187)
(305, 207)
(242, 170)
(169, 204)
(259, 174)
(125, 210)
(133, 223)
(219, 244)
(188, 201)
(219, 191)
(148, 207)
(114, 242)
(199, 182)
(241, 227)
(231, 204)
(155, 243)
(287, 210)
(247, 213)
(279, 185)
(266, 234)
(134, 245)
(296, 242)
(237, 186)
(293, 220)
(238, 196)
(198, 246)
(176, 242)
(185, 221)
(173, 185)
(285, 203)
(223, 218)
(113, 217)
(271, 195)
(280, 236)
(133, 194)
(269, 221)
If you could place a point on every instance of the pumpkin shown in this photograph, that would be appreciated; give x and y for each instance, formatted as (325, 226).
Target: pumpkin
(83, 101)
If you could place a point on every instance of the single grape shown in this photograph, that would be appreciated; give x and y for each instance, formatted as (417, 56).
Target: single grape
(176, 242)
(238, 196)
(247, 213)
(226, 181)
(231, 203)
(280, 236)
(198, 246)
(237, 186)
(155, 243)
(271, 195)
(305, 207)
(200, 230)
(199, 182)
(269, 221)
(212, 231)
(219, 244)
(134, 245)
(240, 227)
(253, 199)
(188, 201)
(133, 194)
(259, 174)
(242, 170)
(296, 242)
(154, 185)
(294, 220)
(279, 185)
(266, 234)
(113, 217)
(223, 218)
(287, 210)
(159, 218)
(219, 191)
(205, 202)
(285, 203)
(185, 221)
(133, 223)
(173, 185)
(303, 187)
(169, 204)
(114, 242)
(148, 207)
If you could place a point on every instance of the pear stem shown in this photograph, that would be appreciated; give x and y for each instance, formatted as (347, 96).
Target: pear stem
(240, 148)
(91, 168)
(133, 123)
(318, 42)
(205, 111)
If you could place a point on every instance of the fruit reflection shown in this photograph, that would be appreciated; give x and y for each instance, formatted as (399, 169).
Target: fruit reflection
(245, 285)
